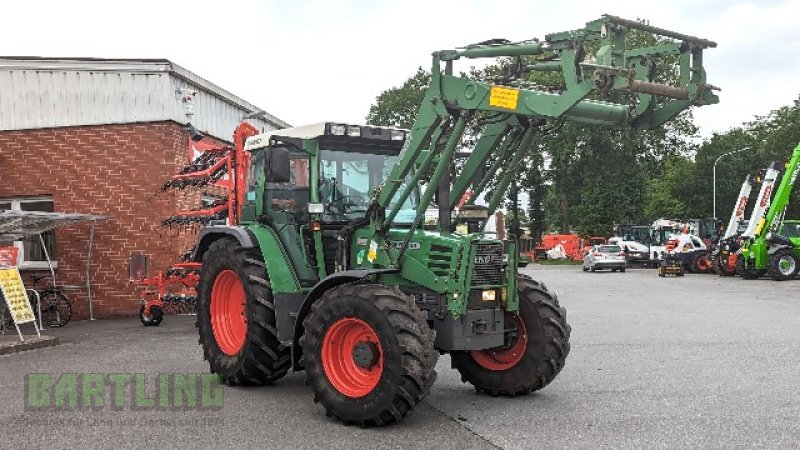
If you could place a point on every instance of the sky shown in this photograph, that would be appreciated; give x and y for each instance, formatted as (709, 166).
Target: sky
(321, 60)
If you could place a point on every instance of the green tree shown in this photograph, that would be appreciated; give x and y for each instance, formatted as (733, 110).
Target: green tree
(771, 137)
(515, 219)
(661, 198)
(397, 107)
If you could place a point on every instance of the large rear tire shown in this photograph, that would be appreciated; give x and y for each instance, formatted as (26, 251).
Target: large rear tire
(748, 274)
(784, 264)
(535, 351)
(236, 316)
(701, 263)
(368, 353)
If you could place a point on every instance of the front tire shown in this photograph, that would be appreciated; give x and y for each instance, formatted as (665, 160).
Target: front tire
(236, 316)
(747, 274)
(154, 318)
(784, 264)
(368, 353)
(532, 358)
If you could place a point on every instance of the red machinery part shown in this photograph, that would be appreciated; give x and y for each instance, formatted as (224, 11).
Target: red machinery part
(205, 169)
(570, 242)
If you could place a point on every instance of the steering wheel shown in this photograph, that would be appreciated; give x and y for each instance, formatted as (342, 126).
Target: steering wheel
(353, 200)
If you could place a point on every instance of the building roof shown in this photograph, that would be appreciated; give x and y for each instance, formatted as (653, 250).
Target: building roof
(37, 92)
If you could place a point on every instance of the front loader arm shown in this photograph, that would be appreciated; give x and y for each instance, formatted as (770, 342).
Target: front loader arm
(783, 193)
(615, 86)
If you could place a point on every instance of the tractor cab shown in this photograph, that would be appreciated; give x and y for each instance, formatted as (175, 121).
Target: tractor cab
(315, 187)
(328, 170)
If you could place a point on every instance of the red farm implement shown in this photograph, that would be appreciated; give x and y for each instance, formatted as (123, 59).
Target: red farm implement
(221, 168)
(170, 292)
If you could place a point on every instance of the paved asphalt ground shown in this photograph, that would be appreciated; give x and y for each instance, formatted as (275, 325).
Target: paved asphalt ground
(690, 362)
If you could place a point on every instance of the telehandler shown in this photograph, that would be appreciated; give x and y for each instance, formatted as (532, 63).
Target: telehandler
(726, 255)
(764, 249)
(723, 254)
(329, 268)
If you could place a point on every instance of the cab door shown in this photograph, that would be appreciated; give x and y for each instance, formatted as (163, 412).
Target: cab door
(286, 211)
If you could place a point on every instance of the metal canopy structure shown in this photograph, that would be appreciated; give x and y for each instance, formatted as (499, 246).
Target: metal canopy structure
(16, 225)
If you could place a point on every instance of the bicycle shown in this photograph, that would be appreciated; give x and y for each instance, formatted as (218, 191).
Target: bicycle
(5, 316)
(55, 306)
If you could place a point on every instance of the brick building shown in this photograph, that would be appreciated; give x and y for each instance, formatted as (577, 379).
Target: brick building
(99, 137)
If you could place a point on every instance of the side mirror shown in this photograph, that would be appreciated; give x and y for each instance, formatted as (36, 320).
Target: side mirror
(277, 167)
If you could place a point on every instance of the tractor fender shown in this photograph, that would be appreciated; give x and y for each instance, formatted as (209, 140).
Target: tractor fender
(211, 233)
(775, 247)
(333, 280)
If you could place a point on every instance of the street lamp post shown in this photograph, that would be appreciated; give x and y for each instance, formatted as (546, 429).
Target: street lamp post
(715, 176)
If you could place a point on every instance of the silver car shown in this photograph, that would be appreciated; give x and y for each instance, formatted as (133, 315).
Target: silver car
(604, 257)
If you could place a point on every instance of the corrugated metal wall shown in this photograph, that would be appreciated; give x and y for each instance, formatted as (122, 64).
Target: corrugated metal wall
(212, 114)
(35, 94)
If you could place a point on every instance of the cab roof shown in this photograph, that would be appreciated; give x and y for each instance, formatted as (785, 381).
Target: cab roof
(318, 130)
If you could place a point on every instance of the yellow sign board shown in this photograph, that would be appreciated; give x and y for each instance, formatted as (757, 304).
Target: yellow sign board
(16, 298)
(503, 97)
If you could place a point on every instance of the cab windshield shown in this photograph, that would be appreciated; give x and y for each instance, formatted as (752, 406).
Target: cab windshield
(790, 229)
(660, 236)
(347, 180)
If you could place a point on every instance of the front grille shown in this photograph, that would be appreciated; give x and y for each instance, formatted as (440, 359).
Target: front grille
(440, 260)
(488, 264)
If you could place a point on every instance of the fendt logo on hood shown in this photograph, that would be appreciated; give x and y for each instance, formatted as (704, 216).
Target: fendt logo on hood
(484, 259)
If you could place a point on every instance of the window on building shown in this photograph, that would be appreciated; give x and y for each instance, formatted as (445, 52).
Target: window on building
(32, 254)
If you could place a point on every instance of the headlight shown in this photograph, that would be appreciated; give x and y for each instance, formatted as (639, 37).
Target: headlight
(489, 295)
(354, 131)
(337, 130)
(316, 208)
(398, 135)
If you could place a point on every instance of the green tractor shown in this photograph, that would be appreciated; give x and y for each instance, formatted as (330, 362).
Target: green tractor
(331, 270)
(768, 249)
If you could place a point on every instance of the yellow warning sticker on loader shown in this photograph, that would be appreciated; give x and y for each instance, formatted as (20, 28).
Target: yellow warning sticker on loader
(372, 254)
(503, 97)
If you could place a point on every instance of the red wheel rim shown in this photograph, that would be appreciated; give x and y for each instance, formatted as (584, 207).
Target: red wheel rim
(507, 356)
(703, 263)
(228, 321)
(351, 376)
